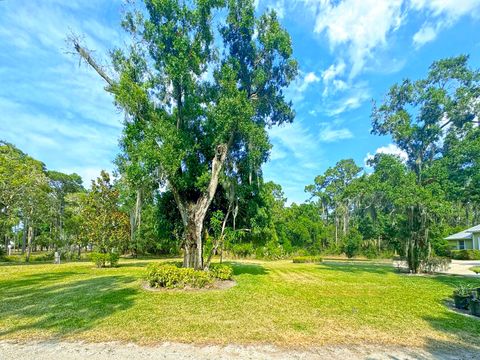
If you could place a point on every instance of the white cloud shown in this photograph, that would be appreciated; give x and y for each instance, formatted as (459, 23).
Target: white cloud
(330, 134)
(294, 139)
(426, 34)
(296, 90)
(50, 108)
(354, 98)
(330, 81)
(358, 30)
(391, 149)
(441, 15)
(453, 9)
(358, 26)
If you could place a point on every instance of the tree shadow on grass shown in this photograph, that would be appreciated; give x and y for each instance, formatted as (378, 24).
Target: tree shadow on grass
(133, 264)
(463, 330)
(244, 268)
(357, 268)
(60, 307)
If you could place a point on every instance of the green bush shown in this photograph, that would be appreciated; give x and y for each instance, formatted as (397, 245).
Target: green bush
(102, 259)
(435, 264)
(242, 250)
(221, 271)
(43, 257)
(466, 254)
(307, 259)
(170, 276)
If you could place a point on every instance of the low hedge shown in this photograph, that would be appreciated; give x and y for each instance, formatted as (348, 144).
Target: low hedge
(170, 276)
(221, 271)
(465, 254)
(307, 259)
(104, 259)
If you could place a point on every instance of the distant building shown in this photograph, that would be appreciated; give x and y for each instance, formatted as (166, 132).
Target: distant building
(466, 239)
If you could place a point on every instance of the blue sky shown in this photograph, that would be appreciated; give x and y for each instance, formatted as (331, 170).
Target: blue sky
(349, 52)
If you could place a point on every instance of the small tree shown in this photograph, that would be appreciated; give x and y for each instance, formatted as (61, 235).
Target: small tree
(103, 223)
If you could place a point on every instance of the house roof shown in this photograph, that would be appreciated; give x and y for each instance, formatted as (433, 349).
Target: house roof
(474, 229)
(465, 234)
(462, 235)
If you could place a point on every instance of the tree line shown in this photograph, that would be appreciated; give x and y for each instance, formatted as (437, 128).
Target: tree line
(199, 86)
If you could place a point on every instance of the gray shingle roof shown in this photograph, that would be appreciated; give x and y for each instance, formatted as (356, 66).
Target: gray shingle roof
(474, 229)
(462, 235)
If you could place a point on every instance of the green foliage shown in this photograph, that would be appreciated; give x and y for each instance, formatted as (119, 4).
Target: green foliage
(221, 271)
(170, 276)
(271, 251)
(243, 250)
(463, 290)
(104, 259)
(307, 259)
(103, 222)
(352, 244)
(466, 254)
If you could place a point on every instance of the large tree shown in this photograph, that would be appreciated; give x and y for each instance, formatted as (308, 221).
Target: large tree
(199, 83)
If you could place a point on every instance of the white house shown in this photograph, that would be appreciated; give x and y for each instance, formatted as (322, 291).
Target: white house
(466, 239)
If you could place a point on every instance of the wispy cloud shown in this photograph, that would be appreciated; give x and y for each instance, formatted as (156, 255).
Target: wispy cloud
(354, 97)
(329, 133)
(356, 27)
(442, 14)
(49, 107)
(296, 91)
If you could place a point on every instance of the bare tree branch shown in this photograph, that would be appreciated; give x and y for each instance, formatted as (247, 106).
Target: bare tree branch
(85, 55)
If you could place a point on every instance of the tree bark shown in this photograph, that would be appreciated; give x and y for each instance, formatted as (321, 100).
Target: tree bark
(193, 215)
(29, 243)
(24, 236)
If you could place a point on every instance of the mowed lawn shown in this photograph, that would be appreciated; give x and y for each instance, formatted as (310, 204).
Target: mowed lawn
(291, 305)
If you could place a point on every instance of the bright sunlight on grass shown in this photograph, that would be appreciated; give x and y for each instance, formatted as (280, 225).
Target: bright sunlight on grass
(274, 302)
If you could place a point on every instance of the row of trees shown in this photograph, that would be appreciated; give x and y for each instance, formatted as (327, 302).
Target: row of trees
(42, 209)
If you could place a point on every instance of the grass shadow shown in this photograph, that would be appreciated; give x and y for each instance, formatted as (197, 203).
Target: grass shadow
(54, 306)
(244, 268)
(357, 267)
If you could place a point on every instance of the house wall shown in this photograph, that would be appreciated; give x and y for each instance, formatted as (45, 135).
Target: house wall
(455, 245)
(476, 241)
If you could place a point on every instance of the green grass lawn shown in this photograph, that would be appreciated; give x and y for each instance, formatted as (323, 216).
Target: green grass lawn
(274, 302)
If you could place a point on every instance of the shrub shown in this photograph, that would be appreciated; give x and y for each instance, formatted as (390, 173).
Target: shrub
(463, 290)
(113, 260)
(466, 254)
(271, 251)
(44, 257)
(170, 276)
(307, 259)
(221, 271)
(242, 250)
(435, 264)
(102, 259)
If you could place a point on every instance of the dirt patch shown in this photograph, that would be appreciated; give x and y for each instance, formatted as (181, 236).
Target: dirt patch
(43, 350)
(217, 285)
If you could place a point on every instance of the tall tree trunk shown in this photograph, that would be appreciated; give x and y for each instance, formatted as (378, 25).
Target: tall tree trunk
(29, 242)
(24, 236)
(193, 214)
(336, 230)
